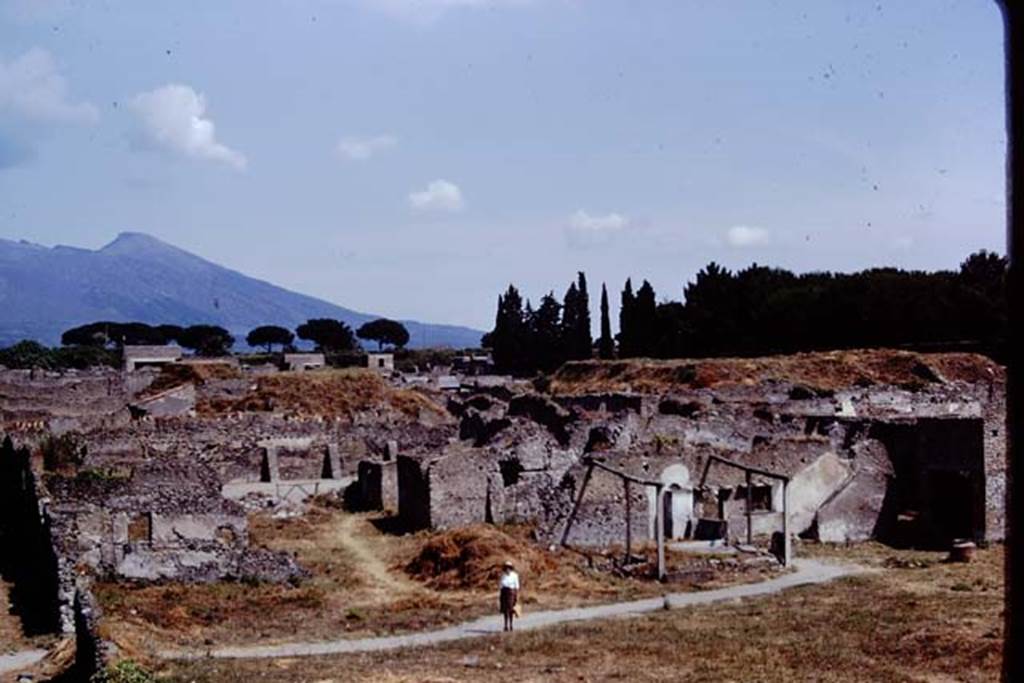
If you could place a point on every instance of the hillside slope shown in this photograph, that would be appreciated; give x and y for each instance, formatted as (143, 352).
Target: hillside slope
(44, 291)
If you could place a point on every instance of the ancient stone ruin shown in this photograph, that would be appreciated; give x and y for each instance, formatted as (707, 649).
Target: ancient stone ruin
(149, 475)
(917, 461)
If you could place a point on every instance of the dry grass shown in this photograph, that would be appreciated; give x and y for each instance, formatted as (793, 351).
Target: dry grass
(471, 558)
(365, 582)
(822, 370)
(324, 393)
(939, 622)
(335, 602)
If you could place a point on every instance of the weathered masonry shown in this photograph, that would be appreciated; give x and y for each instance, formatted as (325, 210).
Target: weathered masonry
(917, 462)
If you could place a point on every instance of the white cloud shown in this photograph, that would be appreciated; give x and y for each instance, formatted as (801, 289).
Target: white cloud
(31, 86)
(427, 11)
(360, 149)
(440, 195)
(174, 117)
(585, 230)
(743, 236)
(584, 222)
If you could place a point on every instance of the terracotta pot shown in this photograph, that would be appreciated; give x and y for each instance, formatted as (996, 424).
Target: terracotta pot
(962, 551)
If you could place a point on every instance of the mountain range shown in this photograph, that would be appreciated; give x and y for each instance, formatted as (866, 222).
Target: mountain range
(46, 290)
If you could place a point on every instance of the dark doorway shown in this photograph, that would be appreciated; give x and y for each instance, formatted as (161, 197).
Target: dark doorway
(936, 492)
(951, 505)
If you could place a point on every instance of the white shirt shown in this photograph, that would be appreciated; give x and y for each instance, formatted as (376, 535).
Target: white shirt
(510, 580)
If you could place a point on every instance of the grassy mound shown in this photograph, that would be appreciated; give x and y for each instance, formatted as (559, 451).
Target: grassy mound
(829, 370)
(325, 393)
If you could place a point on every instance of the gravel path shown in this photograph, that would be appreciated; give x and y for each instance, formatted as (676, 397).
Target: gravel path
(20, 660)
(807, 572)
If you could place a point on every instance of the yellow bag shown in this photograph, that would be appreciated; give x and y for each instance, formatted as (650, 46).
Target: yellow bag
(518, 609)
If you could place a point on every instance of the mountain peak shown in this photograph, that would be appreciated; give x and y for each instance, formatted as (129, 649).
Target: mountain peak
(132, 242)
(44, 291)
(140, 246)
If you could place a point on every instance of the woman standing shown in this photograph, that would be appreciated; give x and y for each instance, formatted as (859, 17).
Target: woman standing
(508, 595)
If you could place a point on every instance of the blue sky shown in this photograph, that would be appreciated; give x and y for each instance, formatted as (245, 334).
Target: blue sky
(412, 157)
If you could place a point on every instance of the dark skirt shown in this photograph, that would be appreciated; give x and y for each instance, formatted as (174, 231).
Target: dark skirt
(507, 600)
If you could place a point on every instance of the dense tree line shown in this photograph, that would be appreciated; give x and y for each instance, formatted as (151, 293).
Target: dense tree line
(761, 310)
(525, 339)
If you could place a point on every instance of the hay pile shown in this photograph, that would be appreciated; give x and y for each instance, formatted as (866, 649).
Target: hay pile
(471, 557)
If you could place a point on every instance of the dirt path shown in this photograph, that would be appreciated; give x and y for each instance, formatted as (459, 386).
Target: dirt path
(348, 536)
(807, 572)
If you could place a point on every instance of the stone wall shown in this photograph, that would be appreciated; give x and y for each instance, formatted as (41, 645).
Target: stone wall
(42, 574)
(828, 443)
(376, 486)
(58, 402)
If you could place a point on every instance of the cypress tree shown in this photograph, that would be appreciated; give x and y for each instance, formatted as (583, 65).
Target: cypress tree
(576, 321)
(509, 338)
(570, 320)
(645, 321)
(546, 334)
(606, 346)
(627, 333)
(583, 342)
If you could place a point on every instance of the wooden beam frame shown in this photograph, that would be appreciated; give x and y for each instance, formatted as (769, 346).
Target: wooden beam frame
(787, 545)
(627, 479)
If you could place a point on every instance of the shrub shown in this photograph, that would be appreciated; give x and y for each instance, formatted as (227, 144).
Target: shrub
(26, 354)
(125, 671)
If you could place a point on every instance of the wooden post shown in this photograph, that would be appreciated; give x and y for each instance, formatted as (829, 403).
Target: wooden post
(659, 532)
(787, 548)
(629, 518)
(750, 511)
(576, 505)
